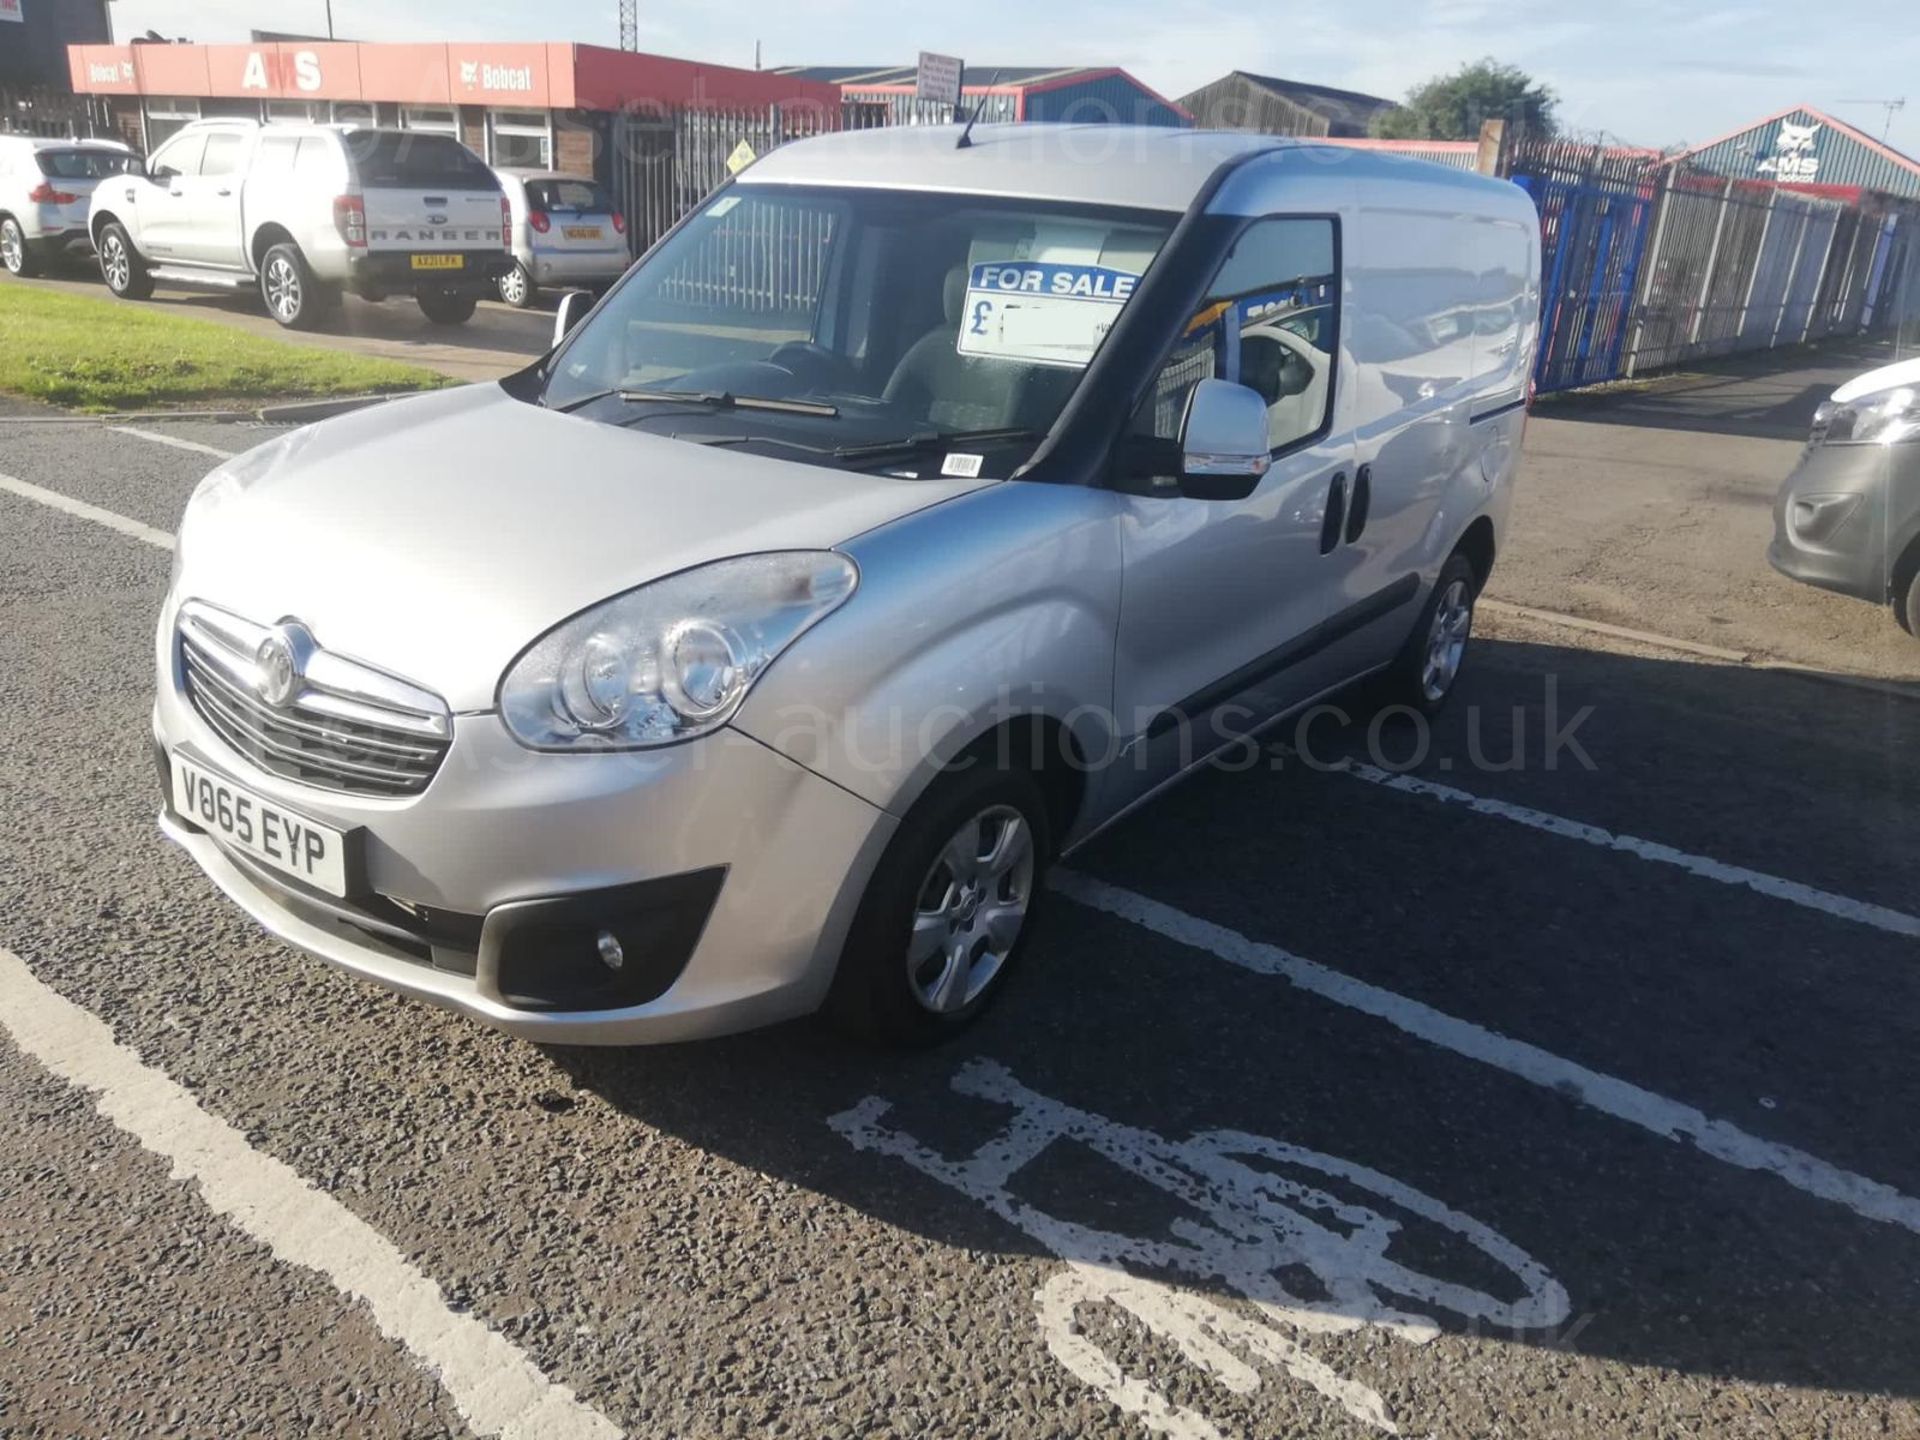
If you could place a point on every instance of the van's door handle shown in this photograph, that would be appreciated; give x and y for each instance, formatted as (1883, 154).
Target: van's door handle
(1362, 503)
(1336, 516)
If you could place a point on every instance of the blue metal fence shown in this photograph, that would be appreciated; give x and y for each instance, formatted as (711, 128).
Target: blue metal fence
(1593, 242)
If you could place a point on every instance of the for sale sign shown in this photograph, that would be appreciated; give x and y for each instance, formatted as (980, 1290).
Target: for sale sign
(10, 10)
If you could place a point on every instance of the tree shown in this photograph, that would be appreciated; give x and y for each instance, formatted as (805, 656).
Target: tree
(1451, 107)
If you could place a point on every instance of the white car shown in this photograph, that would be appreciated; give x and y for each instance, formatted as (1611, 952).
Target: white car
(303, 213)
(45, 186)
(566, 231)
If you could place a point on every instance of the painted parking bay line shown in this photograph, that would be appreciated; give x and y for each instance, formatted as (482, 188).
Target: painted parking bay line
(53, 499)
(173, 441)
(1860, 912)
(1608, 1094)
(496, 1388)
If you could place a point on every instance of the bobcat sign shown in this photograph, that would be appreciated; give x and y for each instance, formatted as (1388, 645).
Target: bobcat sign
(1795, 156)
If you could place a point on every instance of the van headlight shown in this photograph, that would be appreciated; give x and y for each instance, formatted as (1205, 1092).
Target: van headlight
(1884, 418)
(672, 659)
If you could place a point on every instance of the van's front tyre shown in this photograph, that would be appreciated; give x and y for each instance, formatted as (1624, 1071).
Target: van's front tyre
(448, 307)
(948, 911)
(121, 266)
(1423, 676)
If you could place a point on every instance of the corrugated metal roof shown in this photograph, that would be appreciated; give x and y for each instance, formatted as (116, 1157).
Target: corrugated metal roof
(976, 75)
(1805, 146)
(1323, 100)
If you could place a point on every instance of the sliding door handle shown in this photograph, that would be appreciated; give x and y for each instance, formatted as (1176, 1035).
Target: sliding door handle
(1336, 517)
(1362, 503)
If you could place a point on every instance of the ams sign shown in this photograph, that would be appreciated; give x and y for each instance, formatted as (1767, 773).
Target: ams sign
(276, 72)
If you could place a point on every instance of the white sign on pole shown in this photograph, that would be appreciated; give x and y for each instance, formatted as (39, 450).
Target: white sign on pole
(10, 10)
(938, 79)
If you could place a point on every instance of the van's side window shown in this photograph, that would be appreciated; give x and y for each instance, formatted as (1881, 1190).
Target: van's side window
(1270, 322)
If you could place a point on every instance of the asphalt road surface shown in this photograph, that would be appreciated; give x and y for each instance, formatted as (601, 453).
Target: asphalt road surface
(1561, 1086)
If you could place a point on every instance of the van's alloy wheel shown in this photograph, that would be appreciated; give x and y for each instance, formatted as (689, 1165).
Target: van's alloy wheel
(972, 909)
(948, 908)
(1447, 636)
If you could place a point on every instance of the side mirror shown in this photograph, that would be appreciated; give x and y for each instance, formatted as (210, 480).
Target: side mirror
(160, 174)
(574, 306)
(1223, 442)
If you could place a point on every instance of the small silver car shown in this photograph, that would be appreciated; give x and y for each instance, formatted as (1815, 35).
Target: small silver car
(566, 232)
(919, 506)
(45, 187)
(1848, 517)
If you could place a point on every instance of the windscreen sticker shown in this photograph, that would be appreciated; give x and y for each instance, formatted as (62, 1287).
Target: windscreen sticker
(722, 205)
(965, 466)
(1045, 314)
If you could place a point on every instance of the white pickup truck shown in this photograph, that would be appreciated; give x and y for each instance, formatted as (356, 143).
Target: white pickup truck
(305, 212)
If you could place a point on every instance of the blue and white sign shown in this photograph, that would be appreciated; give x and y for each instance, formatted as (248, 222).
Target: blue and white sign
(1044, 314)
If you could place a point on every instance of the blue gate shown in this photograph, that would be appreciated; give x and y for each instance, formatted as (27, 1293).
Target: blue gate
(1593, 237)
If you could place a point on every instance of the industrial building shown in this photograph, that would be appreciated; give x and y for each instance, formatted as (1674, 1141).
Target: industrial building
(884, 94)
(1269, 105)
(513, 104)
(1812, 151)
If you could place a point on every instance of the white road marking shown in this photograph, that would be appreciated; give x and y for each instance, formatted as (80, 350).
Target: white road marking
(1254, 1217)
(1861, 912)
(55, 500)
(1621, 1099)
(173, 440)
(496, 1388)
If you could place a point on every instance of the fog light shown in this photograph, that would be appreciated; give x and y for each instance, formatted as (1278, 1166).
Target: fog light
(611, 955)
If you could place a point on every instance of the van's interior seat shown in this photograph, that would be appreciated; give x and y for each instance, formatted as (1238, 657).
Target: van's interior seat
(952, 391)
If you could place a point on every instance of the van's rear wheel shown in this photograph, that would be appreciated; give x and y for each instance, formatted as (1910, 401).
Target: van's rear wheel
(517, 287)
(448, 307)
(1423, 675)
(293, 296)
(948, 910)
(14, 253)
(121, 266)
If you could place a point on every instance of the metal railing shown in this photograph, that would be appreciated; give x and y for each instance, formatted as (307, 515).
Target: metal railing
(1648, 263)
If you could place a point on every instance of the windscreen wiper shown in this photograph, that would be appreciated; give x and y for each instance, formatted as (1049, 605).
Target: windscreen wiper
(933, 440)
(727, 400)
(705, 399)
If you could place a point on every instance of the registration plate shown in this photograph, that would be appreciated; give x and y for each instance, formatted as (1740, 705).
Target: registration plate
(439, 262)
(581, 232)
(260, 829)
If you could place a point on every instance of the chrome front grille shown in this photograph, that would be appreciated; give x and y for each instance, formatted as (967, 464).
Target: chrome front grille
(341, 726)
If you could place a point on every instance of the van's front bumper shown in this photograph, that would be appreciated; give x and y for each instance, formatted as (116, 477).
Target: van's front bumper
(729, 872)
(1829, 519)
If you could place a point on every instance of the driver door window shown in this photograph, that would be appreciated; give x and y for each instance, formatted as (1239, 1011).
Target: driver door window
(1270, 322)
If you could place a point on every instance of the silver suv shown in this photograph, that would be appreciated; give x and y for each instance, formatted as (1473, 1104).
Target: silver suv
(304, 212)
(906, 516)
(45, 186)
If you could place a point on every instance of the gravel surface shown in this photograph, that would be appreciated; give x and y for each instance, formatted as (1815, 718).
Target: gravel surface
(734, 1238)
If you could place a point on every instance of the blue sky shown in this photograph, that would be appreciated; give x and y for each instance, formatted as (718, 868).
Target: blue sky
(1654, 72)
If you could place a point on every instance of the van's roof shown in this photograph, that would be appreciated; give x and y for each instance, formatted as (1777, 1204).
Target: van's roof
(1149, 167)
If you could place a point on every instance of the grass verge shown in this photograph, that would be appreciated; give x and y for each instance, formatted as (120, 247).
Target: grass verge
(97, 354)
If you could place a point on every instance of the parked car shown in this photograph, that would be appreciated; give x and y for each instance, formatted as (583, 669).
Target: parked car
(304, 212)
(566, 231)
(1848, 517)
(44, 189)
(910, 514)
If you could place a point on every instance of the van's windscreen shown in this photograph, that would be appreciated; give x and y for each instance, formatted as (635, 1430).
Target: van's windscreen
(386, 159)
(904, 313)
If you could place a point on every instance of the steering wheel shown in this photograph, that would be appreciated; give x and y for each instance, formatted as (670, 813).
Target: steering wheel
(814, 366)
